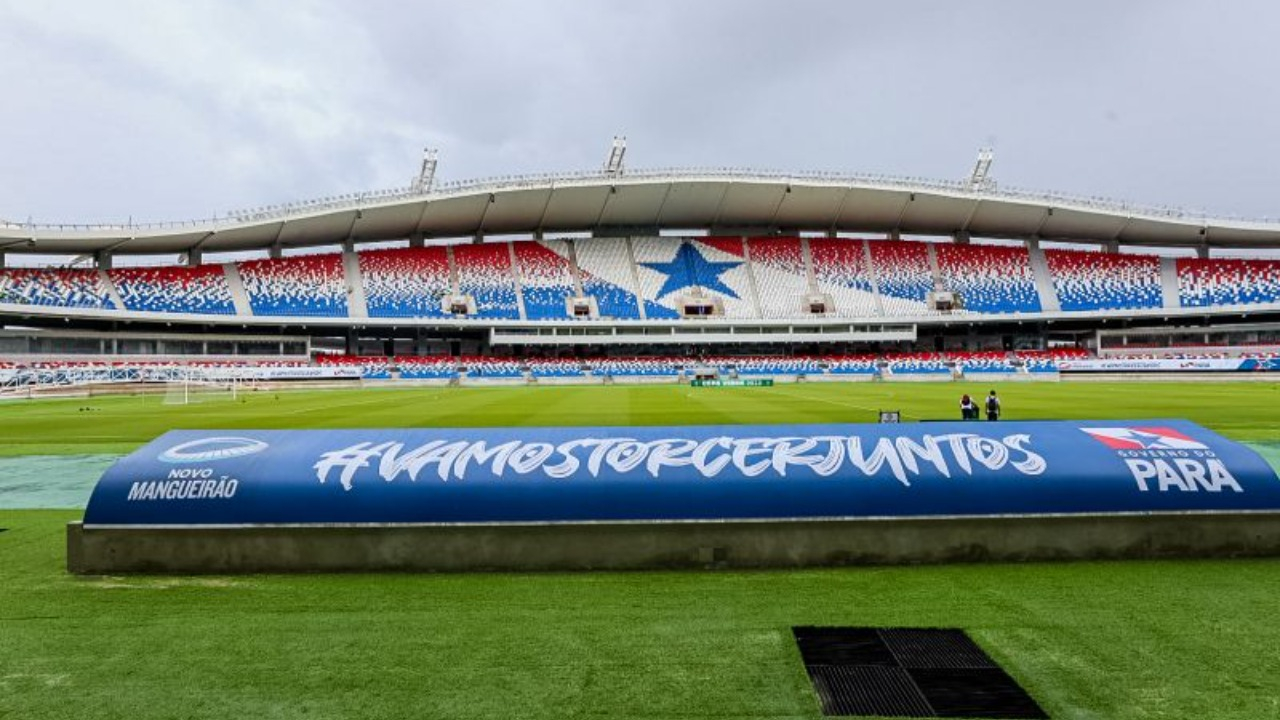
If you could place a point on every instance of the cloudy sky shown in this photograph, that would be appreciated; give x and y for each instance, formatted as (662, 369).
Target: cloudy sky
(177, 110)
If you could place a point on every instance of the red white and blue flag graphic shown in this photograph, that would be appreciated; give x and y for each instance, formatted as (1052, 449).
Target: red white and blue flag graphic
(1143, 438)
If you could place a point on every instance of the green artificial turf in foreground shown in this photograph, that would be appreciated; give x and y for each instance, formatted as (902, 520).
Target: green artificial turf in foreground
(1089, 640)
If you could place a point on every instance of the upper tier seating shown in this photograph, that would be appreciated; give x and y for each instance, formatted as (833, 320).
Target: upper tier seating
(310, 286)
(195, 289)
(783, 273)
(670, 270)
(726, 267)
(989, 279)
(406, 282)
(604, 265)
(840, 270)
(782, 281)
(1225, 281)
(1104, 281)
(484, 273)
(903, 275)
(546, 280)
(55, 288)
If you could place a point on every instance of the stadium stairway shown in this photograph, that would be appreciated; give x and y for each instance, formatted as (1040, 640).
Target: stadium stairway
(571, 253)
(516, 281)
(357, 307)
(635, 279)
(239, 296)
(752, 283)
(781, 274)
(873, 277)
(105, 278)
(1169, 282)
(1044, 279)
(806, 255)
(934, 269)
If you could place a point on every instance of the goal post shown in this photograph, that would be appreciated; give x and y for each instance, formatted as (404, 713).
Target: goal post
(192, 387)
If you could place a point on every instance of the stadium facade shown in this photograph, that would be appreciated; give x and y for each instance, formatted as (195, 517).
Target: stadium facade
(636, 263)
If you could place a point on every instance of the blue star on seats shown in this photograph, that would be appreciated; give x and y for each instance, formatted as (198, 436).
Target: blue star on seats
(689, 268)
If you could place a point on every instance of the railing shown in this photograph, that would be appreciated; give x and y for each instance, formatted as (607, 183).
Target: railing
(24, 378)
(960, 188)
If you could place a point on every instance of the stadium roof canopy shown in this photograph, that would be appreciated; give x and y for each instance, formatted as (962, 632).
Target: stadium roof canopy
(642, 202)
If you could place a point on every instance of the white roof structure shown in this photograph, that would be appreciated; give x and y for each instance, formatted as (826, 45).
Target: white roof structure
(640, 202)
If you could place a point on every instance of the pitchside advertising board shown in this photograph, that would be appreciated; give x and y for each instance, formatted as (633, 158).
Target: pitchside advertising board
(740, 382)
(680, 473)
(284, 373)
(1171, 365)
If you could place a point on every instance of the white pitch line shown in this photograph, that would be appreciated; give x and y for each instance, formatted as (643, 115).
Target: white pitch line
(852, 405)
(331, 406)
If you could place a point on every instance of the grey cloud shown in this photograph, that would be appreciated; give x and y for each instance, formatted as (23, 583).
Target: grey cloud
(1158, 102)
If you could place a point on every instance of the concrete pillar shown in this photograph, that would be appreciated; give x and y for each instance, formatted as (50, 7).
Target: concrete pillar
(102, 259)
(960, 237)
(1033, 243)
(894, 235)
(477, 239)
(353, 344)
(1202, 251)
(1111, 246)
(417, 240)
(194, 257)
(2, 259)
(275, 252)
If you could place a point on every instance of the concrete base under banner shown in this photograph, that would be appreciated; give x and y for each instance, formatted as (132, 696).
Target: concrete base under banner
(666, 545)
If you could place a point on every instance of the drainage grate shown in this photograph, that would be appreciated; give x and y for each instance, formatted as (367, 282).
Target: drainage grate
(908, 672)
(868, 690)
(929, 648)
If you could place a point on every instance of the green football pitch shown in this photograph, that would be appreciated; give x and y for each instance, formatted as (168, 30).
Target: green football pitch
(1088, 640)
(1246, 411)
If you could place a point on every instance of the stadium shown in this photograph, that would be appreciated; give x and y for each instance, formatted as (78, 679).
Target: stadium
(622, 276)
(627, 299)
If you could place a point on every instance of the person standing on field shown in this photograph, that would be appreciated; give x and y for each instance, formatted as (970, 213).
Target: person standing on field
(993, 406)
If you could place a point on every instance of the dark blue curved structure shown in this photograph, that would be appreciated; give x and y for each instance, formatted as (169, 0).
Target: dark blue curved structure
(192, 478)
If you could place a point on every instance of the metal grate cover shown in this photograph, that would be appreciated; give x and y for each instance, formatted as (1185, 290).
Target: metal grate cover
(908, 672)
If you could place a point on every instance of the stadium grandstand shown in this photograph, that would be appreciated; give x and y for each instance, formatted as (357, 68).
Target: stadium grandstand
(642, 275)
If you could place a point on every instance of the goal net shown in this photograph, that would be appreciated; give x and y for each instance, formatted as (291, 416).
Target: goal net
(194, 388)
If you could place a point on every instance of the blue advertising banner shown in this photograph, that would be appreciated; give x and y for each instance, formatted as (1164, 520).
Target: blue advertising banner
(1169, 364)
(570, 474)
